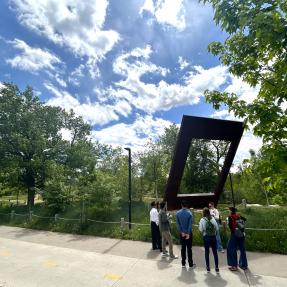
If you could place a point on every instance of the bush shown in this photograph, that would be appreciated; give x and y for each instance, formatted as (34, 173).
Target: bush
(257, 217)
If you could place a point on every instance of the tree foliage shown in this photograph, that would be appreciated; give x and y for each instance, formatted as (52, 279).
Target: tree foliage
(31, 138)
(35, 158)
(256, 51)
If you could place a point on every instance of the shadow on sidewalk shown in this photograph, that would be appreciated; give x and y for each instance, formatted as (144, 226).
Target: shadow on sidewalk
(152, 254)
(253, 279)
(215, 280)
(112, 247)
(163, 263)
(187, 276)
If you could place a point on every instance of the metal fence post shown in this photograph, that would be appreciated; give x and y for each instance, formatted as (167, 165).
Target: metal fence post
(122, 223)
(244, 202)
(30, 215)
(12, 214)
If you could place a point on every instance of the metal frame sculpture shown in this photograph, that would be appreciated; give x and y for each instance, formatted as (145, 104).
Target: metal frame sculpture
(200, 128)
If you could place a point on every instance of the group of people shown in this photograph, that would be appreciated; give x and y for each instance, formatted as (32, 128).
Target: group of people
(208, 226)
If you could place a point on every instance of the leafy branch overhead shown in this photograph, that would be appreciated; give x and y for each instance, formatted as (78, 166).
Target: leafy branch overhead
(256, 51)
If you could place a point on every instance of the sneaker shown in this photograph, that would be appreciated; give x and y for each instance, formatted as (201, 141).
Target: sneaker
(243, 268)
(233, 268)
(222, 251)
(164, 254)
(183, 266)
(173, 257)
(207, 269)
(217, 270)
(192, 266)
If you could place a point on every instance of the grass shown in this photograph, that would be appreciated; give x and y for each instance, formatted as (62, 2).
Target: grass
(257, 217)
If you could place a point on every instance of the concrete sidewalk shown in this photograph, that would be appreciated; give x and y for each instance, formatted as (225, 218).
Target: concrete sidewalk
(31, 258)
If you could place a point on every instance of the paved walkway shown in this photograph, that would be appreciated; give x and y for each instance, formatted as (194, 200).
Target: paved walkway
(30, 258)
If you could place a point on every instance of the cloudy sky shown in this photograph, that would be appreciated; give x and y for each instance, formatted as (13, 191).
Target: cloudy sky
(130, 68)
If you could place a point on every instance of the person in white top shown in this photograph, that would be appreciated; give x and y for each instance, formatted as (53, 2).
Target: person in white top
(209, 228)
(154, 224)
(216, 215)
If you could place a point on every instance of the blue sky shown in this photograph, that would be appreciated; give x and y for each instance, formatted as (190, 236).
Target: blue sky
(130, 68)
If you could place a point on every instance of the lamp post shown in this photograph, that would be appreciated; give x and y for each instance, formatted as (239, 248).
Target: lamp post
(231, 185)
(130, 187)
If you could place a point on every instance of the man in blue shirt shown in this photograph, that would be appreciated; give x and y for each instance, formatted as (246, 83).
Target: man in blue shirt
(184, 226)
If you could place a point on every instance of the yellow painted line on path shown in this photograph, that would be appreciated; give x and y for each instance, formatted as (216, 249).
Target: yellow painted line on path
(113, 277)
(5, 253)
(50, 264)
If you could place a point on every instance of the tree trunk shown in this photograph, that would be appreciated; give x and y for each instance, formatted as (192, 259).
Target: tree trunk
(17, 196)
(31, 196)
(30, 183)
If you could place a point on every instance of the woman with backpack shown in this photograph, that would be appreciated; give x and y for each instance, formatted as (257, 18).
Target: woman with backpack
(236, 241)
(209, 228)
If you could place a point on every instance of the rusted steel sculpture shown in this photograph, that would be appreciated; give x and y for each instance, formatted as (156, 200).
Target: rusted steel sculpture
(200, 128)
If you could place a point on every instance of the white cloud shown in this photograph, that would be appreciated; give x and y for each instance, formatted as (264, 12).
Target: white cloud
(32, 59)
(248, 142)
(66, 134)
(168, 12)
(76, 75)
(77, 25)
(244, 92)
(151, 97)
(58, 78)
(135, 135)
(242, 89)
(222, 114)
(60, 81)
(94, 113)
(182, 63)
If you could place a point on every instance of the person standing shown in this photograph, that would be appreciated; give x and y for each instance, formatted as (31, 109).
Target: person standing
(184, 226)
(164, 227)
(155, 234)
(209, 228)
(215, 213)
(236, 241)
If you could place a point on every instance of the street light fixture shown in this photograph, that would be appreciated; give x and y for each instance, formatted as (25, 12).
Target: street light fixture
(130, 187)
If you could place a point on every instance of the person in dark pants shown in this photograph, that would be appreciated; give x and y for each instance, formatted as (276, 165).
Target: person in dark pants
(184, 225)
(236, 241)
(209, 229)
(155, 233)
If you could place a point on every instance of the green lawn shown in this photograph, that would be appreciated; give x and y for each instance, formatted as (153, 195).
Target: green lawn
(257, 217)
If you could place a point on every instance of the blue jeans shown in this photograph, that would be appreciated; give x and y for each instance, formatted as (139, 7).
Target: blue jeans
(218, 239)
(232, 245)
(210, 241)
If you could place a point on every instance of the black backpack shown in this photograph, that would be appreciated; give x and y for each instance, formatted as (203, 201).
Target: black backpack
(210, 229)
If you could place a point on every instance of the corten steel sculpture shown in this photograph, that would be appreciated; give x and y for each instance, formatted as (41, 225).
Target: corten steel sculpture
(200, 128)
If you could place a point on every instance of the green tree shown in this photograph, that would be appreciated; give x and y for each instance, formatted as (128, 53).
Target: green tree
(31, 138)
(29, 132)
(255, 50)
(203, 165)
